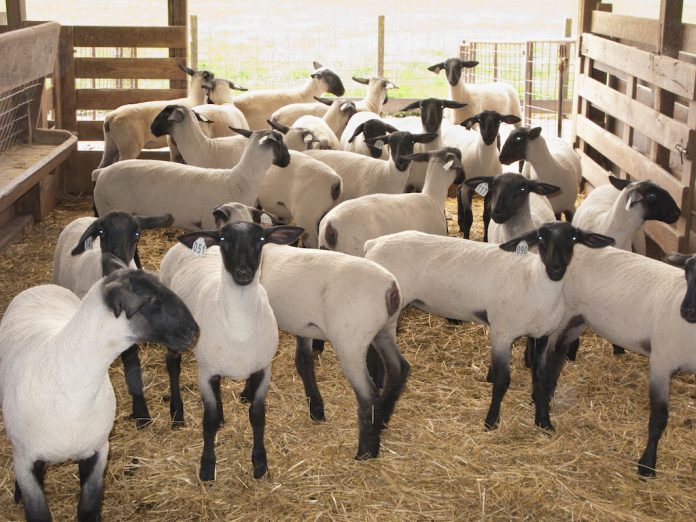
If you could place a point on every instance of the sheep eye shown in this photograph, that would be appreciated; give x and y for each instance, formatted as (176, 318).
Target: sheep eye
(523, 189)
(575, 238)
(518, 138)
(101, 232)
(137, 234)
(221, 239)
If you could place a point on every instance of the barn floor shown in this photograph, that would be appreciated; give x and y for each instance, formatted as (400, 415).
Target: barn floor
(436, 462)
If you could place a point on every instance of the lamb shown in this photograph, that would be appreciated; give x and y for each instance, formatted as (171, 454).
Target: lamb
(552, 161)
(327, 129)
(518, 204)
(298, 139)
(498, 96)
(187, 192)
(55, 351)
(449, 268)
(362, 175)
(607, 291)
(77, 266)
(127, 129)
(431, 110)
(346, 227)
(304, 190)
(360, 133)
(479, 158)
(307, 290)
(258, 106)
(239, 334)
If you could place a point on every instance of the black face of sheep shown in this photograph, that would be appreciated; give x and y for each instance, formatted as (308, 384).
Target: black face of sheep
(241, 244)
(157, 314)
(235, 211)
(401, 144)
(273, 138)
(656, 202)
(555, 242)
(334, 85)
(515, 147)
(371, 129)
(432, 110)
(453, 68)
(508, 192)
(170, 115)
(119, 233)
(489, 124)
(687, 309)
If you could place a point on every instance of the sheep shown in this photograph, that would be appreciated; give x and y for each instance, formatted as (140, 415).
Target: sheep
(346, 227)
(518, 204)
(77, 266)
(187, 192)
(327, 129)
(431, 110)
(298, 139)
(304, 190)
(55, 351)
(498, 96)
(514, 295)
(307, 290)
(362, 175)
(607, 292)
(479, 158)
(258, 106)
(239, 334)
(552, 161)
(360, 132)
(288, 114)
(127, 129)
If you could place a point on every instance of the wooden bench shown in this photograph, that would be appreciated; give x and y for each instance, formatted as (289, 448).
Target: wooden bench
(30, 185)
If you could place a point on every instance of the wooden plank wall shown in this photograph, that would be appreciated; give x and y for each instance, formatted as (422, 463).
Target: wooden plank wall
(635, 108)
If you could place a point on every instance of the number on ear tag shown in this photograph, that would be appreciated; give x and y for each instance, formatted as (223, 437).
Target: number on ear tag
(89, 243)
(482, 189)
(448, 165)
(308, 138)
(522, 248)
(198, 247)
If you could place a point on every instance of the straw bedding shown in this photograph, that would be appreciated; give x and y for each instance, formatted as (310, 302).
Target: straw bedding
(436, 462)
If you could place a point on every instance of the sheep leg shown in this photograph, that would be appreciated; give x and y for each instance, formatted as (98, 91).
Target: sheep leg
(659, 397)
(30, 477)
(176, 405)
(375, 366)
(396, 372)
(305, 367)
(259, 383)
(211, 425)
(134, 380)
(110, 154)
(465, 216)
(500, 370)
(318, 345)
(92, 485)
(548, 364)
(486, 216)
(215, 385)
(136, 258)
(129, 150)
(530, 352)
(618, 350)
(573, 350)
(568, 215)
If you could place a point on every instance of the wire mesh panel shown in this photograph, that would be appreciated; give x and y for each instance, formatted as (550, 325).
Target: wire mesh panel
(15, 114)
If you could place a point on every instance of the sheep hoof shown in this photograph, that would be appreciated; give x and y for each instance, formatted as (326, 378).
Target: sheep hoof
(142, 422)
(618, 350)
(316, 412)
(369, 454)
(490, 424)
(177, 424)
(260, 470)
(645, 472)
(207, 471)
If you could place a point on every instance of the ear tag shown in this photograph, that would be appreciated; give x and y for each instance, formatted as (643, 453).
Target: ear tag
(263, 140)
(344, 107)
(308, 138)
(89, 243)
(629, 203)
(379, 144)
(198, 247)
(266, 220)
(448, 166)
(482, 190)
(522, 248)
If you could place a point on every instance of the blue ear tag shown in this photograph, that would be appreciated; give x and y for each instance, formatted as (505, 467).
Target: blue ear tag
(89, 243)
(198, 247)
(522, 248)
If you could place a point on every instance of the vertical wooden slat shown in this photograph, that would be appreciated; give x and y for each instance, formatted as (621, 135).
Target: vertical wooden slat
(380, 45)
(528, 74)
(16, 12)
(631, 86)
(495, 62)
(194, 41)
(66, 77)
(177, 11)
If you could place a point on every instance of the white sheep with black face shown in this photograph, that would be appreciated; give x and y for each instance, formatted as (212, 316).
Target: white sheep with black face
(55, 351)
(498, 96)
(187, 192)
(258, 106)
(361, 132)
(127, 129)
(239, 333)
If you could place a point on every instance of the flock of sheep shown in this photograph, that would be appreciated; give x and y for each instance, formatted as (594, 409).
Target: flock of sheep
(366, 195)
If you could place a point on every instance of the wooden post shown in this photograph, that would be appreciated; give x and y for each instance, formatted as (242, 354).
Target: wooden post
(66, 60)
(562, 81)
(380, 45)
(495, 62)
(528, 75)
(16, 12)
(177, 11)
(568, 27)
(194, 41)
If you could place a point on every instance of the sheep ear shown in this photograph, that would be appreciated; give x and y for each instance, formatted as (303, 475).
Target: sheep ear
(390, 85)
(84, 243)
(676, 259)
(348, 107)
(317, 65)
(283, 234)
(364, 81)
(425, 138)
(545, 189)
(472, 183)
(531, 238)
(111, 263)
(187, 70)
(263, 218)
(451, 104)
(236, 87)
(390, 128)
(384, 138)
(411, 106)
(210, 237)
(165, 220)
(468, 64)
(510, 119)
(120, 298)
(618, 183)
(358, 131)
(177, 115)
(418, 156)
(534, 133)
(437, 67)
(243, 132)
(221, 215)
(592, 240)
(469, 122)
(278, 126)
(202, 118)
(325, 101)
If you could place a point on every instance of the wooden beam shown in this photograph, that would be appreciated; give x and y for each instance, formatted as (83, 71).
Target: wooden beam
(16, 12)
(126, 68)
(108, 99)
(592, 172)
(90, 130)
(66, 79)
(628, 159)
(688, 44)
(109, 36)
(632, 28)
(666, 236)
(177, 15)
(665, 72)
(29, 54)
(585, 15)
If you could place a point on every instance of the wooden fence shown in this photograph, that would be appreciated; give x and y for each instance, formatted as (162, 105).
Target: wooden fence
(635, 108)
